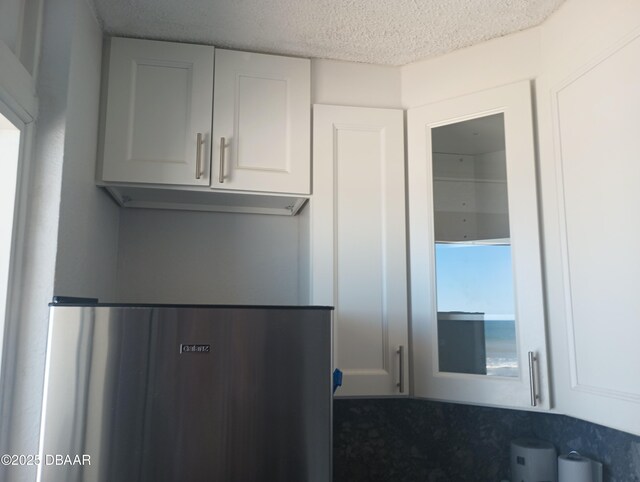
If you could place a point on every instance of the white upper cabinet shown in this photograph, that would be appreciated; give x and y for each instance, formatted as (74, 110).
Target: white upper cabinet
(161, 102)
(478, 324)
(158, 113)
(358, 245)
(261, 123)
(594, 156)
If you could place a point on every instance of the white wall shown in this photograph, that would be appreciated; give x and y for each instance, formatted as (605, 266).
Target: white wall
(88, 227)
(491, 64)
(354, 84)
(304, 255)
(19, 104)
(27, 365)
(11, 12)
(20, 31)
(17, 83)
(208, 258)
(70, 40)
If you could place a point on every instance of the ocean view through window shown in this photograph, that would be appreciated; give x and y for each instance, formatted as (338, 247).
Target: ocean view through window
(477, 279)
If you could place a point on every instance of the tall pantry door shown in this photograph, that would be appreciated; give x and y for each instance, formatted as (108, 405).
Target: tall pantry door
(358, 244)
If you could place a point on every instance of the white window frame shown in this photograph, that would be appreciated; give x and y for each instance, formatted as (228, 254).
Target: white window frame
(19, 104)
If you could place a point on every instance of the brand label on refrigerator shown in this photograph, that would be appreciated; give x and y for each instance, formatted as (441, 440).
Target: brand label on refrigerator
(188, 348)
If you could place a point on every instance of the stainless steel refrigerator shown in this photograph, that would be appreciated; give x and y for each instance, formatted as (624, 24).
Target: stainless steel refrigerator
(187, 393)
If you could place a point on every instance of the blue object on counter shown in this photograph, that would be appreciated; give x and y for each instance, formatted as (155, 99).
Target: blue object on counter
(337, 379)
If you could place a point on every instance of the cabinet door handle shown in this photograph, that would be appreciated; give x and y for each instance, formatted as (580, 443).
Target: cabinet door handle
(400, 383)
(533, 385)
(221, 171)
(199, 155)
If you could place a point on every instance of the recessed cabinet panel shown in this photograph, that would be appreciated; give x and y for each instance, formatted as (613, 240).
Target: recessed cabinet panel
(599, 174)
(358, 244)
(261, 123)
(477, 306)
(170, 112)
(158, 113)
(260, 99)
(359, 252)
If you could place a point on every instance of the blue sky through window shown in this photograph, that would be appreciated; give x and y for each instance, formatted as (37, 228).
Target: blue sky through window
(475, 278)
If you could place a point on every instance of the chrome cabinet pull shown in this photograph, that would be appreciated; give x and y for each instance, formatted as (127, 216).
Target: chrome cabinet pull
(533, 385)
(221, 171)
(199, 143)
(400, 384)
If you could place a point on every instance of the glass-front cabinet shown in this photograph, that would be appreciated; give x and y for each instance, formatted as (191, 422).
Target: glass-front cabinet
(476, 286)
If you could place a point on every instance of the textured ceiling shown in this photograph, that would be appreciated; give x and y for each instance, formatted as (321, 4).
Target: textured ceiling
(393, 32)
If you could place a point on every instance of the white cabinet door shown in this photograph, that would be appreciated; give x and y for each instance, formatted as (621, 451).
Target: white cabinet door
(159, 108)
(596, 114)
(476, 292)
(358, 244)
(261, 123)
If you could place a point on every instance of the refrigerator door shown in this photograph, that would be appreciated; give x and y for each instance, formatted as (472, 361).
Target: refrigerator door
(187, 394)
